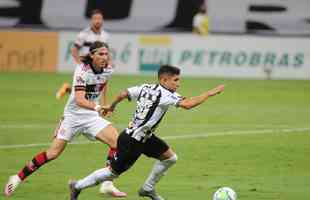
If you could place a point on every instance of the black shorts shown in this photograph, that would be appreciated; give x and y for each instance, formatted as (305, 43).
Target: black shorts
(129, 150)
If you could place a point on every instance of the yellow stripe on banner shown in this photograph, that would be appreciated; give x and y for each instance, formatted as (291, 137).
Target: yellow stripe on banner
(155, 40)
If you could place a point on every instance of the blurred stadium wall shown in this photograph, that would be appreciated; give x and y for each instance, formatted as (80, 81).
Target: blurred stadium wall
(249, 38)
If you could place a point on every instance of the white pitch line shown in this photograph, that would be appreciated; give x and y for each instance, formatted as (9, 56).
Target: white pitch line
(176, 137)
(53, 125)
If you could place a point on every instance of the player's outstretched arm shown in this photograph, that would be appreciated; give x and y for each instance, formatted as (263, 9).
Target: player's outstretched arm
(120, 97)
(192, 102)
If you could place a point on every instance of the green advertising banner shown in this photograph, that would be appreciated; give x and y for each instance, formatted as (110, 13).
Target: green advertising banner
(213, 56)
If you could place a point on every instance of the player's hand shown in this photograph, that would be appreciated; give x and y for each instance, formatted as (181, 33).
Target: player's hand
(106, 111)
(216, 90)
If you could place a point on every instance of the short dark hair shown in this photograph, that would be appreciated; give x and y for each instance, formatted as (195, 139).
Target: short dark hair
(169, 70)
(95, 12)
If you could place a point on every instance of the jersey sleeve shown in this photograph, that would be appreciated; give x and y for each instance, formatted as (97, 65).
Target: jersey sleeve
(134, 92)
(80, 39)
(173, 99)
(79, 79)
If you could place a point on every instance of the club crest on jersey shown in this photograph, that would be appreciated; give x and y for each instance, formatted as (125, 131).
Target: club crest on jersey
(85, 67)
(80, 80)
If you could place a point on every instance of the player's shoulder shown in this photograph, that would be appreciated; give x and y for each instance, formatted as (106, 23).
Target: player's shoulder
(105, 36)
(104, 32)
(108, 69)
(144, 86)
(86, 31)
(83, 68)
(149, 85)
(169, 94)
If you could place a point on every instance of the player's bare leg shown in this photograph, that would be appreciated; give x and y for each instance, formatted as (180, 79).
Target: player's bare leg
(166, 160)
(63, 90)
(109, 136)
(40, 159)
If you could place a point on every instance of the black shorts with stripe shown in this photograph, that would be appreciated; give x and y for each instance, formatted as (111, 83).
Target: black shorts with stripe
(129, 150)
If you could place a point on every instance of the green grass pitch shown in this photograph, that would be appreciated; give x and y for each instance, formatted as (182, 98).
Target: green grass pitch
(254, 138)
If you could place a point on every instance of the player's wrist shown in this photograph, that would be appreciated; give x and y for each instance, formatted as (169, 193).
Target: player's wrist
(209, 94)
(97, 107)
(113, 105)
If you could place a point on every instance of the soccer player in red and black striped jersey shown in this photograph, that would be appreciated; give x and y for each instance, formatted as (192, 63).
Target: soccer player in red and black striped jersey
(84, 39)
(82, 114)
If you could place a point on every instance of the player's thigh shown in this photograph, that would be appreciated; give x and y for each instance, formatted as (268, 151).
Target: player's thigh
(108, 135)
(67, 129)
(100, 129)
(128, 151)
(156, 148)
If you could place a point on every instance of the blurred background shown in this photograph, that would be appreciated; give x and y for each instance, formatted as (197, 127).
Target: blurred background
(240, 38)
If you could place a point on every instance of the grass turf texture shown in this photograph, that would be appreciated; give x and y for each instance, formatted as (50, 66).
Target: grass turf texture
(253, 138)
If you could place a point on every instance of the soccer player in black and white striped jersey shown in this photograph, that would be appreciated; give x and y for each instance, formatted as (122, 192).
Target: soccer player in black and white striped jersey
(153, 101)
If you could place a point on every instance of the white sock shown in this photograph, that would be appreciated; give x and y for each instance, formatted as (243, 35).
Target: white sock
(95, 178)
(159, 168)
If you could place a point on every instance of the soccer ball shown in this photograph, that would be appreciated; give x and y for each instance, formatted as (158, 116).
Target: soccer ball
(225, 193)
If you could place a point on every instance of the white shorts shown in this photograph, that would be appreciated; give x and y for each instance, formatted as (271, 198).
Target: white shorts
(72, 125)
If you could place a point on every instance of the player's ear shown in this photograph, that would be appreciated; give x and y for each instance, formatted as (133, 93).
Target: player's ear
(92, 56)
(163, 78)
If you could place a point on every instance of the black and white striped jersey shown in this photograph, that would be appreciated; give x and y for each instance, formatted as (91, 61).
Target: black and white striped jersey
(87, 36)
(153, 101)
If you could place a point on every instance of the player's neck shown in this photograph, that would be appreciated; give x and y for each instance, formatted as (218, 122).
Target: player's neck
(96, 69)
(167, 88)
(96, 30)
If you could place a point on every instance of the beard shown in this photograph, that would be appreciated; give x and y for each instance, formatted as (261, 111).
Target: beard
(97, 26)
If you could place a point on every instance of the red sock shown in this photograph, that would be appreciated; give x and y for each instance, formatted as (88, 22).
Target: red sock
(39, 160)
(111, 153)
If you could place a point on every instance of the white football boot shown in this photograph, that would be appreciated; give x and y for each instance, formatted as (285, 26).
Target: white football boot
(108, 188)
(11, 185)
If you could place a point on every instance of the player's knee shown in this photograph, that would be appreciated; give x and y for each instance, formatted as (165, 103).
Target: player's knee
(173, 159)
(113, 144)
(109, 136)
